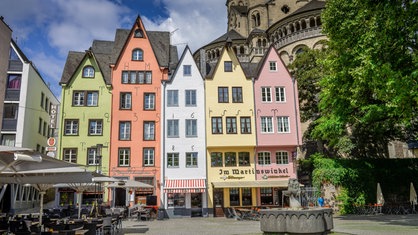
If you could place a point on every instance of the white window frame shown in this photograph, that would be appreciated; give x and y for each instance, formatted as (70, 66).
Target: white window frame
(267, 125)
(172, 98)
(191, 128)
(282, 157)
(149, 156)
(187, 70)
(192, 159)
(124, 130)
(126, 100)
(172, 128)
(280, 94)
(266, 94)
(71, 127)
(174, 158)
(96, 127)
(264, 158)
(190, 96)
(273, 66)
(124, 155)
(149, 130)
(283, 124)
(149, 101)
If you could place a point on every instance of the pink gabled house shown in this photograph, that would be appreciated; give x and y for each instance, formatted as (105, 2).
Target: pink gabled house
(142, 61)
(278, 126)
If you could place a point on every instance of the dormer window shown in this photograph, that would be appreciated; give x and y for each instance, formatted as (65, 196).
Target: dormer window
(88, 72)
(137, 54)
(138, 33)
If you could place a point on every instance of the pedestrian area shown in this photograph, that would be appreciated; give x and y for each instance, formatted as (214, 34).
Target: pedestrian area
(343, 225)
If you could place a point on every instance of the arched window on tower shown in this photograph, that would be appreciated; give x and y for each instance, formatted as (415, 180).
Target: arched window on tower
(255, 18)
(311, 22)
(137, 54)
(303, 24)
(88, 72)
(242, 50)
(318, 21)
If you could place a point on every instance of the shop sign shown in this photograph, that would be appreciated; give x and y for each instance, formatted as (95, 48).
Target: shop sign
(240, 172)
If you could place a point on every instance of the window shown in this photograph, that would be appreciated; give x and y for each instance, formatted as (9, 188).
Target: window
(280, 94)
(176, 200)
(92, 97)
(124, 130)
(244, 158)
(79, 98)
(217, 125)
(14, 81)
(96, 127)
(44, 129)
(42, 99)
(266, 124)
(246, 197)
(137, 54)
(71, 127)
(266, 196)
(125, 100)
(40, 121)
(282, 157)
(172, 128)
(223, 95)
(125, 77)
(230, 159)
(228, 66)
(149, 101)
(138, 33)
(92, 158)
(264, 158)
(191, 128)
(172, 160)
(172, 98)
(148, 157)
(216, 159)
(88, 72)
(283, 125)
(245, 125)
(8, 140)
(231, 125)
(10, 111)
(273, 66)
(136, 77)
(149, 130)
(236, 94)
(191, 159)
(187, 70)
(46, 104)
(190, 97)
(234, 196)
(70, 155)
(266, 94)
(124, 156)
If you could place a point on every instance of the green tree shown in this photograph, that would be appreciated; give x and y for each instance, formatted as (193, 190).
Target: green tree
(369, 95)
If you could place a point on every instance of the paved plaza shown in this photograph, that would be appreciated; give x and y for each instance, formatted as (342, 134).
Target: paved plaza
(355, 224)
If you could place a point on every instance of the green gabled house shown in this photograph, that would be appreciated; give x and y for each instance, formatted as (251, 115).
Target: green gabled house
(85, 113)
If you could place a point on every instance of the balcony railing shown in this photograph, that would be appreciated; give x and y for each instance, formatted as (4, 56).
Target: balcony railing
(15, 65)
(12, 95)
(9, 124)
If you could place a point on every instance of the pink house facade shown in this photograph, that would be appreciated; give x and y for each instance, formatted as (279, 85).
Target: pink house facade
(278, 126)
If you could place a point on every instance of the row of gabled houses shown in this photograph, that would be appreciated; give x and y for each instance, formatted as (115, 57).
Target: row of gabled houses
(132, 109)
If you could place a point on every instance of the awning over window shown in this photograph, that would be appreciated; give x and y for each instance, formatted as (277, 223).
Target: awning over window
(185, 186)
(251, 184)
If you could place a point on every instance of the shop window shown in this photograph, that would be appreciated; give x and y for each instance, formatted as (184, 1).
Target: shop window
(266, 196)
(234, 196)
(176, 200)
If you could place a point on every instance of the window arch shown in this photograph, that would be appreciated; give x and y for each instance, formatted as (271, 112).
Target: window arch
(88, 72)
(303, 24)
(242, 50)
(255, 18)
(137, 54)
(311, 22)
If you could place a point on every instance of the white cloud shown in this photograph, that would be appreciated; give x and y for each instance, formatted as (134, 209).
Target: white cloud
(48, 29)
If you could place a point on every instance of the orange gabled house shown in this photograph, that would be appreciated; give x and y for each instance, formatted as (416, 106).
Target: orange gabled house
(141, 61)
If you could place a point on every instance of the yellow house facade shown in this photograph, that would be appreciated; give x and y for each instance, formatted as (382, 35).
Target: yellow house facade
(231, 136)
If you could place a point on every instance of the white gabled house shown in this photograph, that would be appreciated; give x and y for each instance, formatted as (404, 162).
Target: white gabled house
(184, 145)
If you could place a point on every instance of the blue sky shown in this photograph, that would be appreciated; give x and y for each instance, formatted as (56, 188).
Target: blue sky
(46, 30)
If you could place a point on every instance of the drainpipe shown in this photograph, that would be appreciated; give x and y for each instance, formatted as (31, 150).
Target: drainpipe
(297, 126)
(163, 149)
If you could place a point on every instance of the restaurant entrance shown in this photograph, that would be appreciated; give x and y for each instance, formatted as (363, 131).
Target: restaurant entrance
(218, 202)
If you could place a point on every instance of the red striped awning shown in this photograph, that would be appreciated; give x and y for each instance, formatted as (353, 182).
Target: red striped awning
(185, 186)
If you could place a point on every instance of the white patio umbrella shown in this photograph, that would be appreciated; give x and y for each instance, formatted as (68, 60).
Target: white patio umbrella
(379, 195)
(412, 196)
(25, 166)
(128, 184)
(79, 188)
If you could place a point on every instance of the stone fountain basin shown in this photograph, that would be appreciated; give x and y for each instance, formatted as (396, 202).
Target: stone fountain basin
(296, 221)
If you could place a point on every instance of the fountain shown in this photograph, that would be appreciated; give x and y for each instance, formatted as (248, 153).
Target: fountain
(295, 219)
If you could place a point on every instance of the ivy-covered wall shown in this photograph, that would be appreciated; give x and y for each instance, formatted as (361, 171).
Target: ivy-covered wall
(357, 179)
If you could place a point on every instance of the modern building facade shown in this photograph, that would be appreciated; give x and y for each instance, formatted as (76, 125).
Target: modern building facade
(28, 113)
(184, 140)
